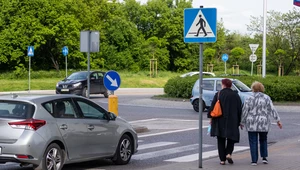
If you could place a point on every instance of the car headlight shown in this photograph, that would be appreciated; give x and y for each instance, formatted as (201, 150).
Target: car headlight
(77, 84)
(57, 84)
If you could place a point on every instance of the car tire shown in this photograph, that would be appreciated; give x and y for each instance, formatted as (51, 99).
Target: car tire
(53, 154)
(124, 151)
(196, 105)
(84, 92)
(106, 94)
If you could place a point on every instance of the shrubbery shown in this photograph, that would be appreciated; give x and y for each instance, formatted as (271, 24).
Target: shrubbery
(285, 88)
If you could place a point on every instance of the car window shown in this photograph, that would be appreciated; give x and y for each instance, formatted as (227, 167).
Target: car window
(208, 85)
(61, 108)
(77, 76)
(91, 110)
(100, 75)
(94, 75)
(241, 86)
(16, 110)
(219, 85)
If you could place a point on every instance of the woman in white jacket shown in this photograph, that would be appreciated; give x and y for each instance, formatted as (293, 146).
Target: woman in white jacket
(256, 117)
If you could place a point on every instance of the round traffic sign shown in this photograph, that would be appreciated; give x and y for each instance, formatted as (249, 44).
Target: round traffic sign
(225, 57)
(253, 58)
(112, 80)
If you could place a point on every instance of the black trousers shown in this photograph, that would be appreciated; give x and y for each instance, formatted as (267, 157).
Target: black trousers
(225, 147)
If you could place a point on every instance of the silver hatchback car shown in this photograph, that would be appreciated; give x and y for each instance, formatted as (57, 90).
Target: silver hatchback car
(49, 131)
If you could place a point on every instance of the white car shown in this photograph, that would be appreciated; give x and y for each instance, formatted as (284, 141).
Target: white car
(197, 73)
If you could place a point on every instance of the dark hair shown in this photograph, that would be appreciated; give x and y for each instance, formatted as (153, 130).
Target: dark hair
(227, 83)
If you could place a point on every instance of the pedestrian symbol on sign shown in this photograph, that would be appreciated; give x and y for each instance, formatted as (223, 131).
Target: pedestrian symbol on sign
(202, 25)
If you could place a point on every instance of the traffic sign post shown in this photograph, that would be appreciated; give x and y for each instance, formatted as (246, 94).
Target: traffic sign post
(112, 82)
(30, 53)
(200, 26)
(225, 58)
(253, 57)
(89, 42)
(65, 52)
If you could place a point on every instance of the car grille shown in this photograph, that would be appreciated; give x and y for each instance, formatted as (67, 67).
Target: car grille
(65, 86)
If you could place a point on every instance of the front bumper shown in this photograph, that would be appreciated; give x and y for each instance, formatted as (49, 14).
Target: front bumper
(76, 91)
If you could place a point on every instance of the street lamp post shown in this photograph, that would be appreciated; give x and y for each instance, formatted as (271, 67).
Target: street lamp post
(264, 41)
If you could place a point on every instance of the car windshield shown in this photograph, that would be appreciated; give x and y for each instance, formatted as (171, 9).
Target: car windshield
(241, 86)
(16, 110)
(77, 76)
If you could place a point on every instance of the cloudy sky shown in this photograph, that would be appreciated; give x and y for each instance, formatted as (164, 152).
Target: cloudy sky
(236, 13)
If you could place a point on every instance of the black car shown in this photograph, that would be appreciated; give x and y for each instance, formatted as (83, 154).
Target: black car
(76, 83)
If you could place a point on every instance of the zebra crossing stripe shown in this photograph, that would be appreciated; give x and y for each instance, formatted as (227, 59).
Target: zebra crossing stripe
(164, 152)
(205, 155)
(155, 145)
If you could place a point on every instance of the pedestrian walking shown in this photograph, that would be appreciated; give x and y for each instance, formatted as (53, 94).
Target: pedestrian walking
(256, 117)
(226, 127)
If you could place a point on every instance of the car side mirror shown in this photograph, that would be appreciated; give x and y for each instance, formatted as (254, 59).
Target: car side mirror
(110, 116)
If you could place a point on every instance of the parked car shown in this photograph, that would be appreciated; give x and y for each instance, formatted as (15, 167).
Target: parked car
(193, 73)
(211, 86)
(76, 83)
(49, 131)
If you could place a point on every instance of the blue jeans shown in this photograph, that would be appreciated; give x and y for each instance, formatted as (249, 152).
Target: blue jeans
(253, 142)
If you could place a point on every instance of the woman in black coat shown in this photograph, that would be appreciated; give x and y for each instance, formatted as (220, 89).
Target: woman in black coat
(226, 127)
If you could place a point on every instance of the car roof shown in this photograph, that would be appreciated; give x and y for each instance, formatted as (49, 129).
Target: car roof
(218, 78)
(35, 97)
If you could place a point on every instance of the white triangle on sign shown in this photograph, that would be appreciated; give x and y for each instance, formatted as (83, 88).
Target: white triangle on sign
(30, 51)
(253, 47)
(192, 33)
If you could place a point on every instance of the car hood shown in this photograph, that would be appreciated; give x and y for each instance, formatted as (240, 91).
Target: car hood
(70, 81)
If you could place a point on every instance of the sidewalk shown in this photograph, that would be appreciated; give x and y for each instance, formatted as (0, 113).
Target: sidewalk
(284, 155)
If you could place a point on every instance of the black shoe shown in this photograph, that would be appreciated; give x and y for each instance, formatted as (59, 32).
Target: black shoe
(229, 159)
(265, 161)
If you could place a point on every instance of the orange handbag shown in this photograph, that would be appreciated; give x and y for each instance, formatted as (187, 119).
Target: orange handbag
(217, 111)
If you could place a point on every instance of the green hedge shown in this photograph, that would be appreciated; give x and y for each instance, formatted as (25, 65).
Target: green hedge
(285, 88)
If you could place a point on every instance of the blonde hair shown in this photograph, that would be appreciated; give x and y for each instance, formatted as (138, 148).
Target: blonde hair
(257, 87)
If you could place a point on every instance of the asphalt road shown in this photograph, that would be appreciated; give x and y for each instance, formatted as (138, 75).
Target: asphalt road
(173, 134)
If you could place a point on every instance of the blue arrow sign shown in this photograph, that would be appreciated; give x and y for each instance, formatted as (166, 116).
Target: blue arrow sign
(200, 25)
(112, 80)
(225, 57)
(65, 51)
(30, 51)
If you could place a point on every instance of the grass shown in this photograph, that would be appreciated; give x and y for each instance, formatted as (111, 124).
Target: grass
(43, 80)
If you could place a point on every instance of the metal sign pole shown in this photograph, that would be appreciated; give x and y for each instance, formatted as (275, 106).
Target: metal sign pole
(264, 40)
(200, 101)
(66, 66)
(29, 75)
(88, 79)
(225, 67)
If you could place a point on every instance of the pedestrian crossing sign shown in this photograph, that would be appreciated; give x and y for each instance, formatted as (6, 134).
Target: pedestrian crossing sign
(200, 25)
(30, 51)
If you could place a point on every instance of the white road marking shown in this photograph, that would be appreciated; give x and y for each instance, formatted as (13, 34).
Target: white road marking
(164, 152)
(155, 145)
(169, 132)
(144, 120)
(205, 155)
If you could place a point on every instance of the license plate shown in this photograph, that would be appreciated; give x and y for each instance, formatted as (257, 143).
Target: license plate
(64, 89)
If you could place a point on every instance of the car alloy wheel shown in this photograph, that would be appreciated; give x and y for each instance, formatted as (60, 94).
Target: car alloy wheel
(124, 151)
(53, 158)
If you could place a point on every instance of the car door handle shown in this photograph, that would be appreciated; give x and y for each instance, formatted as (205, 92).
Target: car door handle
(63, 126)
(91, 127)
